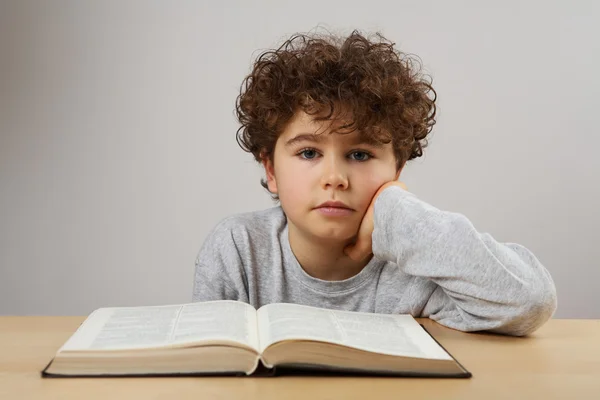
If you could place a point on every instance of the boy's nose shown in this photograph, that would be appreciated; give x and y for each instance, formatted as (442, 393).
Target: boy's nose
(334, 176)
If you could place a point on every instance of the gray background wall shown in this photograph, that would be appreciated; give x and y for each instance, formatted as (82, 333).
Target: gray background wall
(118, 151)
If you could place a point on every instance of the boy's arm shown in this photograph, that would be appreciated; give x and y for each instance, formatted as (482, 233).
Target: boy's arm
(482, 284)
(219, 270)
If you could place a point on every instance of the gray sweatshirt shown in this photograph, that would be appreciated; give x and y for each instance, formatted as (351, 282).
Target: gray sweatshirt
(427, 262)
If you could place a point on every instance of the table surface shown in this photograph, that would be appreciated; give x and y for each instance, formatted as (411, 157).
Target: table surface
(560, 360)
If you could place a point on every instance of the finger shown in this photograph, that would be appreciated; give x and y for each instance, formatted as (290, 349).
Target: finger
(358, 252)
(352, 252)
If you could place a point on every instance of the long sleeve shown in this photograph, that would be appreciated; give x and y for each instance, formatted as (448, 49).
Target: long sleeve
(482, 284)
(218, 271)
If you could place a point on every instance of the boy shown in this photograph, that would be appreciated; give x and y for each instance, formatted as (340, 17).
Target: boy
(333, 122)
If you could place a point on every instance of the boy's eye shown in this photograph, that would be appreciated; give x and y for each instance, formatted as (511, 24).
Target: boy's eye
(308, 154)
(360, 155)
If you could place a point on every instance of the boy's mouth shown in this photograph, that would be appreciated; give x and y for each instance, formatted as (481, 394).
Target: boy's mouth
(334, 209)
(334, 204)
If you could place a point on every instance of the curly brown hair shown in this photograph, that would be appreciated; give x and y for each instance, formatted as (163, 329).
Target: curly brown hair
(383, 90)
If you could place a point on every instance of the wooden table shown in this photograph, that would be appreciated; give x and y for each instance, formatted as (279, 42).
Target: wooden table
(561, 360)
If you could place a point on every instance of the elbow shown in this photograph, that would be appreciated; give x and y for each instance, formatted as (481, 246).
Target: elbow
(535, 309)
(542, 306)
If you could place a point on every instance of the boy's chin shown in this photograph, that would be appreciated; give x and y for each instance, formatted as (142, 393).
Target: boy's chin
(338, 236)
(327, 233)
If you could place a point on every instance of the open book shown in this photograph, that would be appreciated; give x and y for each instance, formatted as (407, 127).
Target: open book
(231, 337)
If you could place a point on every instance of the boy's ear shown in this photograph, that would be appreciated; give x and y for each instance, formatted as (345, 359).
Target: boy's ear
(270, 172)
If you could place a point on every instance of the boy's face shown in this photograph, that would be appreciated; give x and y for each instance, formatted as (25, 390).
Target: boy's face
(309, 170)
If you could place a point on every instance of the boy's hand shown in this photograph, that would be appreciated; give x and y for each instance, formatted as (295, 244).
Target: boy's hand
(363, 246)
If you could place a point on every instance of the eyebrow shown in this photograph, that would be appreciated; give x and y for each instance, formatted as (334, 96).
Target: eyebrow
(311, 137)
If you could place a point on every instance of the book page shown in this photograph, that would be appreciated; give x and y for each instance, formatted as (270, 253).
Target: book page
(381, 333)
(159, 326)
(232, 320)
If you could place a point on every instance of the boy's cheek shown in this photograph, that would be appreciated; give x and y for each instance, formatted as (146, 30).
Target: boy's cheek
(371, 186)
(294, 193)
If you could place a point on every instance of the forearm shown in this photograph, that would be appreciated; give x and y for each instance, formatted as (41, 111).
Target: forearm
(486, 285)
